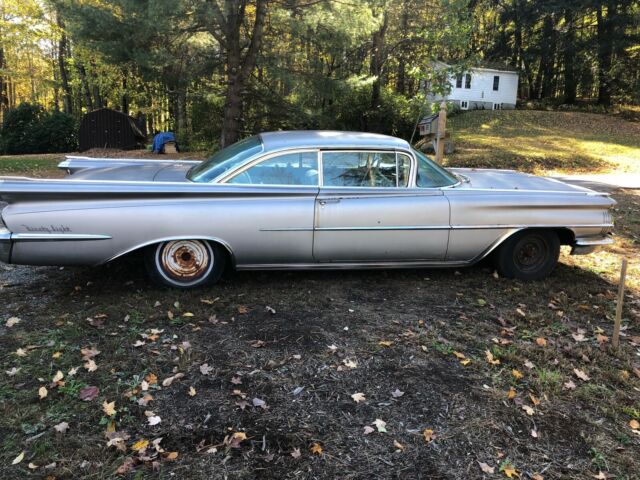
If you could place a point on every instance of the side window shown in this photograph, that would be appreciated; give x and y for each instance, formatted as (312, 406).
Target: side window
(459, 81)
(365, 169)
(467, 80)
(288, 169)
(496, 82)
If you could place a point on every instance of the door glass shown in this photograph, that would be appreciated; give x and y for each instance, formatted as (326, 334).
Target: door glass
(364, 169)
(288, 169)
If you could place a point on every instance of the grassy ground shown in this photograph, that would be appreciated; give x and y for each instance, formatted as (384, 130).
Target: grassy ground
(555, 401)
(545, 142)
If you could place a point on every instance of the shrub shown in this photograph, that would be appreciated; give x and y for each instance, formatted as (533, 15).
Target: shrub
(29, 129)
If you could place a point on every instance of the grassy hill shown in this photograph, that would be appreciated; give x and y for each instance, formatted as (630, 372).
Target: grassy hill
(545, 141)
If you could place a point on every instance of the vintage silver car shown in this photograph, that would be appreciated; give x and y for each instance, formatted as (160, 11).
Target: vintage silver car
(297, 200)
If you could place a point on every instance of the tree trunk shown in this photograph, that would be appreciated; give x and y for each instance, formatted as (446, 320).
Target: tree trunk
(67, 97)
(569, 51)
(605, 52)
(4, 98)
(377, 63)
(85, 87)
(125, 96)
(401, 73)
(239, 67)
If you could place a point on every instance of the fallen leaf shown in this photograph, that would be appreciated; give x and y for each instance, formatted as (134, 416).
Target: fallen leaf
(21, 352)
(459, 355)
(579, 337)
(602, 339)
(534, 400)
(151, 378)
(236, 380)
(242, 309)
(154, 420)
(88, 353)
(385, 343)
(18, 459)
(428, 435)
(528, 409)
(140, 445)
(72, 371)
(88, 394)
(61, 427)
(358, 397)
(58, 376)
(13, 321)
(12, 372)
(235, 439)
(42, 392)
(205, 369)
(127, 466)
(529, 364)
(397, 393)
(542, 342)
(534, 433)
(398, 445)
(257, 402)
(490, 359)
(170, 456)
(581, 375)
(381, 425)
(510, 471)
(520, 312)
(91, 366)
(486, 468)
(350, 363)
(296, 453)
(537, 476)
(316, 449)
(192, 392)
(511, 394)
(168, 381)
(368, 429)
(258, 343)
(516, 374)
(634, 424)
(109, 408)
(569, 385)
(56, 355)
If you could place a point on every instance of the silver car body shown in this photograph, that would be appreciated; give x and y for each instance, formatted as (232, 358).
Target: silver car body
(106, 208)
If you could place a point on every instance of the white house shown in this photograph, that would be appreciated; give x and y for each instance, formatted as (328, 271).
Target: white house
(482, 88)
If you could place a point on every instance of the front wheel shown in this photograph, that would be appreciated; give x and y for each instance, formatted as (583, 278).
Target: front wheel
(185, 263)
(528, 255)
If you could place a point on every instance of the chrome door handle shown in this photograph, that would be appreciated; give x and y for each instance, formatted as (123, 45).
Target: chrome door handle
(329, 200)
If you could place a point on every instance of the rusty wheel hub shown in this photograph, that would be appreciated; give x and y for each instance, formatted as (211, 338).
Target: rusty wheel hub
(186, 260)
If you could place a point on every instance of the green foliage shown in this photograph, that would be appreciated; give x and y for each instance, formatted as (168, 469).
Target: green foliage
(29, 129)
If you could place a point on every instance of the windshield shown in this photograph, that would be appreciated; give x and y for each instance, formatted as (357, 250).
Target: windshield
(432, 175)
(225, 160)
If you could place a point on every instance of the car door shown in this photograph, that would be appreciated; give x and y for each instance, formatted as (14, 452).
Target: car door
(366, 211)
(271, 213)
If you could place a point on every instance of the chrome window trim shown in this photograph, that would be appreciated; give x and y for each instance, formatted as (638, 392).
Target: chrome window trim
(397, 151)
(225, 177)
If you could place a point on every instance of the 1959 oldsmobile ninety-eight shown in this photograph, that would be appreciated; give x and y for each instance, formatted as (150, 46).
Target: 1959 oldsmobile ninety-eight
(297, 200)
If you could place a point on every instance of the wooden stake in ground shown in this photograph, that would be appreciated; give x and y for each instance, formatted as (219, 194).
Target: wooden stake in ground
(442, 126)
(615, 340)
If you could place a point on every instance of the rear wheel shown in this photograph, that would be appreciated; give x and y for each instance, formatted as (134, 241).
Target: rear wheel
(528, 255)
(185, 263)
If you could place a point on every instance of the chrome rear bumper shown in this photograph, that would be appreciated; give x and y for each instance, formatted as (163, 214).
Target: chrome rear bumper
(584, 246)
(5, 245)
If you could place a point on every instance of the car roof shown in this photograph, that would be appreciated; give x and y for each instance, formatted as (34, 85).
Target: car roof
(328, 139)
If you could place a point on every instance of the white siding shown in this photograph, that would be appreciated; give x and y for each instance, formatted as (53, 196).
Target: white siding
(482, 87)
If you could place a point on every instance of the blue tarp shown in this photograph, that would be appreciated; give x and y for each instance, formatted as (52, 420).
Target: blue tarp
(161, 138)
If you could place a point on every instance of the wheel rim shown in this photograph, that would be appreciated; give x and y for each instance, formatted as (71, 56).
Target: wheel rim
(184, 262)
(531, 253)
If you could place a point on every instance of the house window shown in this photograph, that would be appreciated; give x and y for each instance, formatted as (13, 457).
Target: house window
(459, 81)
(497, 106)
(467, 80)
(464, 105)
(496, 82)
